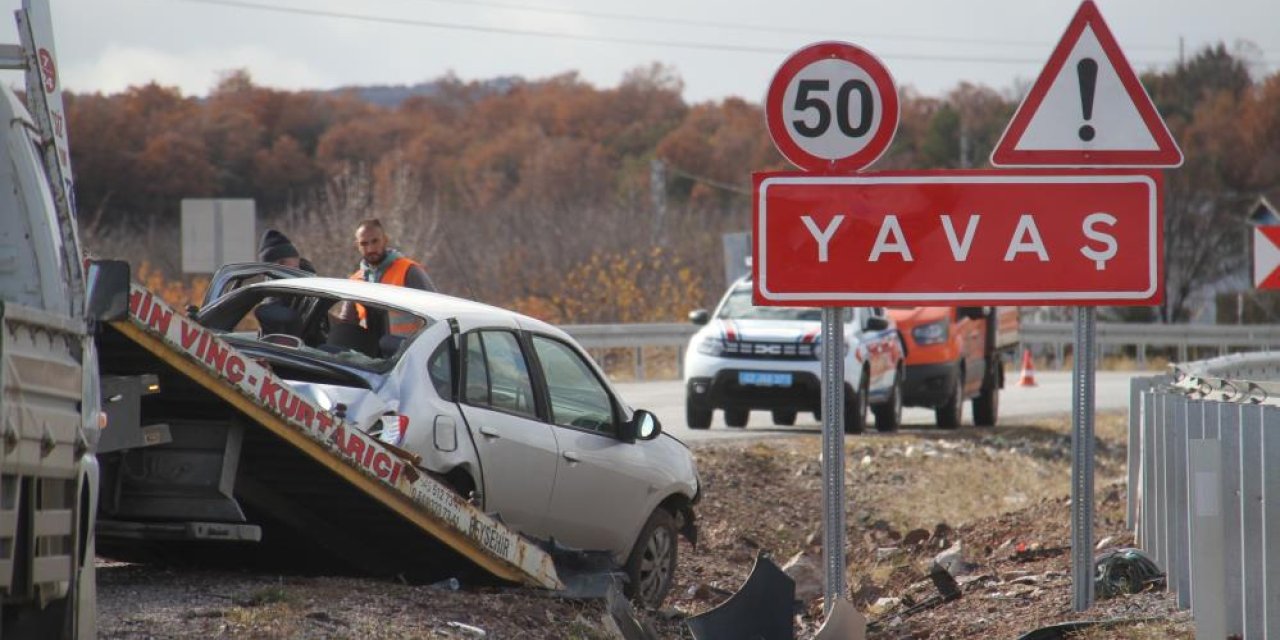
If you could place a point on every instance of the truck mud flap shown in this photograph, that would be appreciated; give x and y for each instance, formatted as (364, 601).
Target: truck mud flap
(326, 495)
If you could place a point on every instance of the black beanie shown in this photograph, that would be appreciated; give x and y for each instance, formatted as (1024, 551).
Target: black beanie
(274, 246)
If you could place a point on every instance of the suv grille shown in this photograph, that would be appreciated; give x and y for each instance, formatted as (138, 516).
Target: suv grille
(770, 350)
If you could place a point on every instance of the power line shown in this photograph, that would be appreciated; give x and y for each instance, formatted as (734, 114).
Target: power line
(732, 188)
(758, 28)
(702, 46)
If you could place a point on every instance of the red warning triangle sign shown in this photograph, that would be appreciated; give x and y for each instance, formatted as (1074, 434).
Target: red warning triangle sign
(1266, 257)
(1087, 109)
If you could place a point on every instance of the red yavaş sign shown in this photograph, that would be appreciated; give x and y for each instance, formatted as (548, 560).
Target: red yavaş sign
(977, 237)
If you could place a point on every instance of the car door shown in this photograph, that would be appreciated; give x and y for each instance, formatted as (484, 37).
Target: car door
(517, 449)
(603, 484)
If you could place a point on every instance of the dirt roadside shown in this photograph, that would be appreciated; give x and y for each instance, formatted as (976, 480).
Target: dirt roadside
(995, 498)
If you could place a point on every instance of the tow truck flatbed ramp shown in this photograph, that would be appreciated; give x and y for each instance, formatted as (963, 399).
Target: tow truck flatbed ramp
(226, 451)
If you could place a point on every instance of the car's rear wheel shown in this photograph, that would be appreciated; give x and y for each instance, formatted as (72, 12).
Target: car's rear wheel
(855, 406)
(736, 417)
(651, 568)
(784, 418)
(697, 416)
(950, 413)
(889, 414)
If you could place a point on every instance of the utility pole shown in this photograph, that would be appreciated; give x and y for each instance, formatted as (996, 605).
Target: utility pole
(658, 194)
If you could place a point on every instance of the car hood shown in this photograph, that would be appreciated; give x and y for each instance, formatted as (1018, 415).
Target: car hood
(766, 330)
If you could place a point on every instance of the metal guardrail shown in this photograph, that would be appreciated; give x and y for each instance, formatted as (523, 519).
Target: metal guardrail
(1204, 489)
(1055, 337)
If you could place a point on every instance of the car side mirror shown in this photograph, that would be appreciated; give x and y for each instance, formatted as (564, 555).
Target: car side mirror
(643, 426)
(876, 323)
(699, 316)
(107, 292)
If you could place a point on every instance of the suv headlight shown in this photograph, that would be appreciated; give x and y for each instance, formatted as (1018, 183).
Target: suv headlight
(932, 333)
(711, 346)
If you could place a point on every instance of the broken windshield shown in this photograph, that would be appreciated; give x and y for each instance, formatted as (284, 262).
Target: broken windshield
(350, 333)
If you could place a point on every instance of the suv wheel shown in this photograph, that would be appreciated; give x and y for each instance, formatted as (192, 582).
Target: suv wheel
(736, 417)
(889, 414)
(696, 415)
(950, 413)
(855, 407)
(651, 568)
(784, 417)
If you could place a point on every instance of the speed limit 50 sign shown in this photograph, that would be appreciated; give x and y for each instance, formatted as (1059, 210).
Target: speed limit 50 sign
(832, 106)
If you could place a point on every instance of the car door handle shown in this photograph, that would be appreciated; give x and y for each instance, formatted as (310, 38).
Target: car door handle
(571, 456)
(489, 433)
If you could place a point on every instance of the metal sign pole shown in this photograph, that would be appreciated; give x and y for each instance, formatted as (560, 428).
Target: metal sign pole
(1082, 408)
(833, 523)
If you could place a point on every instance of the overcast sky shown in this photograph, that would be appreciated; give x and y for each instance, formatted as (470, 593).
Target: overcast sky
(720, 48)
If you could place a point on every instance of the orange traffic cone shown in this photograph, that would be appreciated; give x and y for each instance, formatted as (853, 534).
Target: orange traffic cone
(1028, 378)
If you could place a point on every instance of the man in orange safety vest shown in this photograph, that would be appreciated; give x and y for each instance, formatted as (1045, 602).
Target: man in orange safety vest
(380, 263)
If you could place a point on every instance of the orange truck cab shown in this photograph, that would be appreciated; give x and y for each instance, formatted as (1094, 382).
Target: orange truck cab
(956, 354)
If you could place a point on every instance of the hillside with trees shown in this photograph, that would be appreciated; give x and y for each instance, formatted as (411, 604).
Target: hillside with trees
(583, 204)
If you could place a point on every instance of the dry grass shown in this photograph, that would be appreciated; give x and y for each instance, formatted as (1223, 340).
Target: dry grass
(961, 488)
(1137, 631)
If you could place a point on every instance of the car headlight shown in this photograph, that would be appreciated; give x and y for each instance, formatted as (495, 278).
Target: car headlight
(711, 346)
(932, 333)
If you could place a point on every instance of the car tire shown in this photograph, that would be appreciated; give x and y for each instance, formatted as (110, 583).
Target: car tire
(651, 568)
(696, 415)
(855, 407)
(736, 418)
(949, 415)
(986, 407)
(784, 418)
(889, 414)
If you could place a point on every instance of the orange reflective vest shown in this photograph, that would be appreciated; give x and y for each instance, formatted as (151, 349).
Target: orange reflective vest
(400, 323)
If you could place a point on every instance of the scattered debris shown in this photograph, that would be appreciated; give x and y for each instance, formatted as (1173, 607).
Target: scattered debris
(1125, 571)
(469, 630)
(762, 609)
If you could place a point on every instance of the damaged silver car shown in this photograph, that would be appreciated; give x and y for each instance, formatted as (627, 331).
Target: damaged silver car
(510, 411)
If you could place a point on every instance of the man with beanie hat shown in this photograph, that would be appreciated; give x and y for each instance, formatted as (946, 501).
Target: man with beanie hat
(275, 247)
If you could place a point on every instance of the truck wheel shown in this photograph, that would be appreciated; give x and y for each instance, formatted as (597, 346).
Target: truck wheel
(697, 416)
(784, 417)
(736, 418)
(855, 407)
(950, 413)
(889, 414)
(986, 407)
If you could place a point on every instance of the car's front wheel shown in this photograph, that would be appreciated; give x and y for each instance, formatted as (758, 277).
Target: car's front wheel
(696, 415)
(948, 415)
(855, 406)
(736, 417)
(651, 569)
(889, 414)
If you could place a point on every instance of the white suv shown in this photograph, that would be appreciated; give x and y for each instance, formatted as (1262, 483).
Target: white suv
(769, 358)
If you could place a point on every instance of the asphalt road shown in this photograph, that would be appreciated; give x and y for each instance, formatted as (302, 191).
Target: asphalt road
(1051, 396)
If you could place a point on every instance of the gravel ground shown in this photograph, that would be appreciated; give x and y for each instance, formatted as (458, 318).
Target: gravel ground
(994, 498)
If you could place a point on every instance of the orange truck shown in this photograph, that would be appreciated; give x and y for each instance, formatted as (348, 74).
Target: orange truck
(956, 354)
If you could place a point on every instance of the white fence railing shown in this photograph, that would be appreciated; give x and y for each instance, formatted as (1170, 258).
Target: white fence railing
(1180, 342)
(1204, 489)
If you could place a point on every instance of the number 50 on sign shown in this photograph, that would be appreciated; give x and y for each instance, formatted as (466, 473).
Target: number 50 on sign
(832, 106)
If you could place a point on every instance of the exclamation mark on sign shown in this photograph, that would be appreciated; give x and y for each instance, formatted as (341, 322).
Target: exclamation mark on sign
(1087, 70)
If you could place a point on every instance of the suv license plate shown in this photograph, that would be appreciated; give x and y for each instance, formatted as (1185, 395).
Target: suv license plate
(764, 379)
